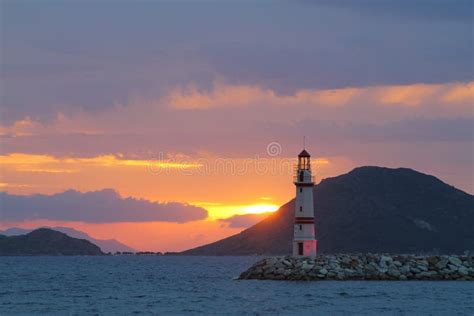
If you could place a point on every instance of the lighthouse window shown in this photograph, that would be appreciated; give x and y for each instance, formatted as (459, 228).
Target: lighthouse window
(301, 227)
(301, 209)
(301, 190)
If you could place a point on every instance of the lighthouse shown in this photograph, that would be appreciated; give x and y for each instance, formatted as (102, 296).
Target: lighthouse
(304, 238)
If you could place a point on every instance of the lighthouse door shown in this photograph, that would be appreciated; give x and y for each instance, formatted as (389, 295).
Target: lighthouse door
(300, 248)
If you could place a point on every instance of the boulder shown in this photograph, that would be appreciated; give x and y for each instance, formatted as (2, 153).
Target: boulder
(442, 263)
(455, 261)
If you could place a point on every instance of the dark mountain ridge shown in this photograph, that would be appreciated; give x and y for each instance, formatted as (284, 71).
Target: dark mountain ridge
(370, 209)
(106, 245)
(45, 241)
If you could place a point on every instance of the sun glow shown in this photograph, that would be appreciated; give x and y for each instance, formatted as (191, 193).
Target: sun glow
(259, 208)
(220, 211)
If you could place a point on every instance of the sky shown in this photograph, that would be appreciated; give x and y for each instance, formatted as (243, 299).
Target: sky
(171, 124)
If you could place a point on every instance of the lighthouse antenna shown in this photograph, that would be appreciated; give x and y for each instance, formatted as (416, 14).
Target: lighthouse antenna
(304, 142)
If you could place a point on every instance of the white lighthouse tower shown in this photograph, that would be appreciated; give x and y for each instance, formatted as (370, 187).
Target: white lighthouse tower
(304, 239)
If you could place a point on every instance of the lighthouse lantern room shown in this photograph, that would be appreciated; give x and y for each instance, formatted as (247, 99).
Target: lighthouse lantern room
(304, 239)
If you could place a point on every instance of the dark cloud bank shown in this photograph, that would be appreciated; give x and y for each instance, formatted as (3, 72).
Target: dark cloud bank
(103, 206)
(66, 64)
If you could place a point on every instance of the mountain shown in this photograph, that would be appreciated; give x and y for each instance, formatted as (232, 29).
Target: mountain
(106, 245)
(44, 241)
(370, 209)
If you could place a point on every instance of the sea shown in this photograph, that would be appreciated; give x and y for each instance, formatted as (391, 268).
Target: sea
(180, 285)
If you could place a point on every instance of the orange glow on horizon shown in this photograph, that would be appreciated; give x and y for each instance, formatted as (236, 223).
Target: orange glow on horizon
(225, 191)
(104, 160)
(222, 211)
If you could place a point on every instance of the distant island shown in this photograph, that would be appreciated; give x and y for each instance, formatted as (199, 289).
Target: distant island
(370, 209)
(106, 245)
(46, 241)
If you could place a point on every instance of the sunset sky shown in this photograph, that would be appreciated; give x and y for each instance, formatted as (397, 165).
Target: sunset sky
(168, 125)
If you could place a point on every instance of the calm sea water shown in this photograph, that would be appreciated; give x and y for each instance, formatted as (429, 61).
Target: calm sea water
(205, 285)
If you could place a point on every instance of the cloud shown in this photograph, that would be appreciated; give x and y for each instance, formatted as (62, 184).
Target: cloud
(6, 185)
(49, 164)
(391, 42)
(222, 119)
(459, 10)
(223, 95)
(410, 95)
(239, 121)
(104, 206)
(460, 93)
(244, 221)
(22, 127)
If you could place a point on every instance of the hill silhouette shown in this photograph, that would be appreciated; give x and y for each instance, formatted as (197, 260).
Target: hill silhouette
(370, 209)
(106, 245)
(44, 241)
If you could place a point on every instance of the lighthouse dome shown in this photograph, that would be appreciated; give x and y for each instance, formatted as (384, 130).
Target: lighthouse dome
(304, 153)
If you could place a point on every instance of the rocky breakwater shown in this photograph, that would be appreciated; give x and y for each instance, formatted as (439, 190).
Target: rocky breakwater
(363, 267)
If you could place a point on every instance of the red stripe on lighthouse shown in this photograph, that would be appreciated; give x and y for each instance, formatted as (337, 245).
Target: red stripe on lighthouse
(304, 220)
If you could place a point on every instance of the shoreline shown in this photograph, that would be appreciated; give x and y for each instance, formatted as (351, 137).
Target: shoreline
(363, 267)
